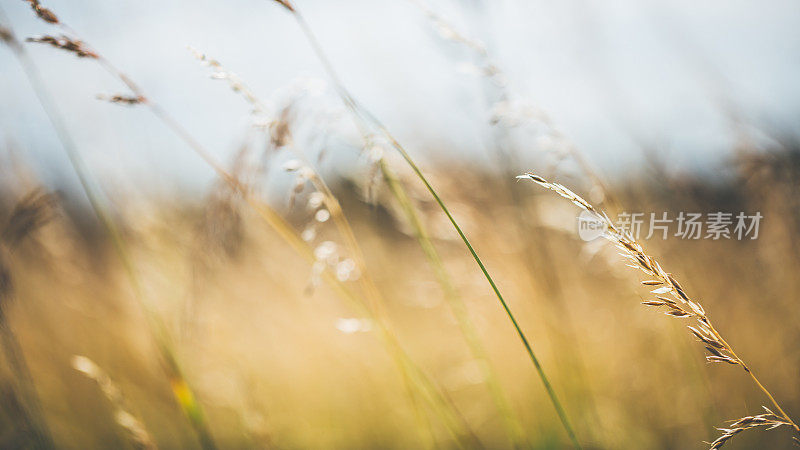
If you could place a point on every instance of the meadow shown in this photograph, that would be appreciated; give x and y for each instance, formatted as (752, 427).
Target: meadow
(393, 304)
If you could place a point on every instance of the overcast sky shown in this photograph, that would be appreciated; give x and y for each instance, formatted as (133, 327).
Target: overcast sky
(612, 74)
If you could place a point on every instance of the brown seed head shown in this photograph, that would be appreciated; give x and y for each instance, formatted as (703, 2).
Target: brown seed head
(769, 420)
(42, 12)
(6, 36)
(129, 100)
(64, 43)
(29, 214)
(286, 4)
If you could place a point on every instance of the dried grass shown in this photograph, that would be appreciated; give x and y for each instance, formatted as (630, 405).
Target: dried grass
(678, 304)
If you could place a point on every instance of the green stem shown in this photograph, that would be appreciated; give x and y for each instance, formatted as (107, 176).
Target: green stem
(356, 106)
(513, 428)
(429, 391)
(545, 381)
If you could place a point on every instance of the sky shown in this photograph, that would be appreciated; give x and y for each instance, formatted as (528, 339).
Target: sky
(615, 77)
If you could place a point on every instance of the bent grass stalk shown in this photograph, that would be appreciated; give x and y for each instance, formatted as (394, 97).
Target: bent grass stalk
(513, 427)
(510, 421)
(352, 103)
(679, 305)
(535, 252)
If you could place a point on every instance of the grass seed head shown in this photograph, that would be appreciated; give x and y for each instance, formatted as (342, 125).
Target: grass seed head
(769, 420)
(286, 4)
(129, 100)
(65, 43)
(6, 36)
(42, 12)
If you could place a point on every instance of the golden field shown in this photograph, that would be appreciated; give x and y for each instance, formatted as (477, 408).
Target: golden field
(333, 289)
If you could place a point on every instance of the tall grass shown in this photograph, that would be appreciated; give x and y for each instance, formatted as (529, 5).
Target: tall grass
(508, 111)
(437, 408)
(413, 376)
(183, 394)
(411, 214)
(358, 109)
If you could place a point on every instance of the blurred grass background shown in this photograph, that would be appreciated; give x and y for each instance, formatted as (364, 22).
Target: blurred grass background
(278, 364)
(279, 359)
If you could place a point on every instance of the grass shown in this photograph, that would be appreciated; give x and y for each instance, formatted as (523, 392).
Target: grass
(679, 305)
(362, 112)
(275, 355)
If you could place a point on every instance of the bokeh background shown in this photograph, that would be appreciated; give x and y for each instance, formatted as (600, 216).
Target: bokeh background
(644, 106)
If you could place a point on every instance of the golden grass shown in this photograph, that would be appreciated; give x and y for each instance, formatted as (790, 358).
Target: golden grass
(216, 308)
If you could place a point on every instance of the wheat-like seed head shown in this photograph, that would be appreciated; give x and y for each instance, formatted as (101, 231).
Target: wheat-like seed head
(42, 12)
(277, 121)
(769, 420)
(235, 83)
(6, 36)
(121, 99)
(286, 4)
(670, 295)
(65, 43)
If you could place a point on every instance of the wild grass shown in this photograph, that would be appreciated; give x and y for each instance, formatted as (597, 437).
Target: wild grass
(306, 173)
(365, 115)
(262, 347)
(679, 304)
(162, 341)
(183, 393)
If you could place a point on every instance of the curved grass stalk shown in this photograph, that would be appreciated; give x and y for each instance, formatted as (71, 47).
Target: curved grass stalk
(459, 309)
(679, 304)
(535, 252)
(376, 300)
(457, 306)
(540, 370)
(350, 101)
(512, 425)
(510, 421)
